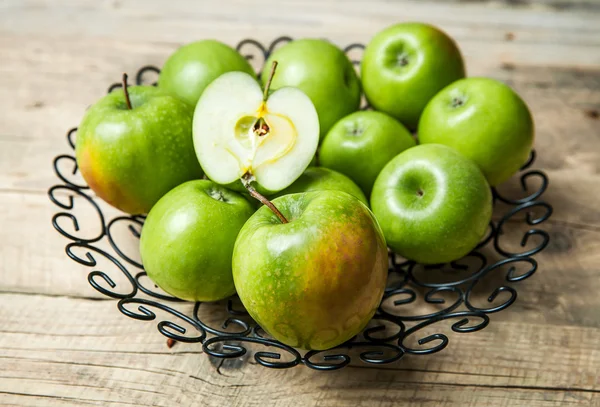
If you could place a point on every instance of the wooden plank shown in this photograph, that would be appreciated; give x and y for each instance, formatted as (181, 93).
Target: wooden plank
(557, 5)
(82, 351)
(148, 20)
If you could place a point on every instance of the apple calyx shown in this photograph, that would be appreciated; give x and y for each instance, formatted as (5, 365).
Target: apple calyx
(127, 100)
(402, 59)
(247, 180)
(457, 102)
(217, 195)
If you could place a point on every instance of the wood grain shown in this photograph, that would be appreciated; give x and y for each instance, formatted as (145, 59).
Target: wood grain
(62, 343)
(97, 355)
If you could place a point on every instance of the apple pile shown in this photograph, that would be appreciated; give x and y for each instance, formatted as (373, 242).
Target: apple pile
(225, 166)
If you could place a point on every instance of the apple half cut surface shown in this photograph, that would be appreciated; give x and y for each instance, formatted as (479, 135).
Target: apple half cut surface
(241, 132)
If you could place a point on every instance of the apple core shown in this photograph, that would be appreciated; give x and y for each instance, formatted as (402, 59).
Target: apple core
(254, 144)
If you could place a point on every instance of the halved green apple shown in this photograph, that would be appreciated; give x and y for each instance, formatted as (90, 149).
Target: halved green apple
(243, 133)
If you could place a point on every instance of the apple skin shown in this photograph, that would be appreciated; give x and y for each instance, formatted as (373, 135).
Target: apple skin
(323, 72)
(486, 121)
(433, 204)
(316, 281)
(192, 67)
(131, 158)
(188, 237)
(361, 144)
(405, 65)
(324, 179)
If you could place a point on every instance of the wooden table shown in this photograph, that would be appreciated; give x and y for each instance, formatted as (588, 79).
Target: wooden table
(62, 343)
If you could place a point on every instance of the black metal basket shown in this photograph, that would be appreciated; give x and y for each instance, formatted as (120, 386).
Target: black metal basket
(433, 293)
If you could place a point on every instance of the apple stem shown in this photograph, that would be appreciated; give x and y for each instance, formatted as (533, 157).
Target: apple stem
(255, 194)
(127, 100)
(268, 84)
(246, 179)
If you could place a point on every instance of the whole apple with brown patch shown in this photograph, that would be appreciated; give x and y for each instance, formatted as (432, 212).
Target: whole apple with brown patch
(131, 157)
(315, 281)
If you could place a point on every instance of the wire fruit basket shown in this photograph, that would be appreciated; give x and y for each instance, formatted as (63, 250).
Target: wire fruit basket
(417, 302)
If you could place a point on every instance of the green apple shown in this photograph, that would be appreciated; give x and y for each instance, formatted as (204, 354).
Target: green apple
(130, 157)
(188, 237)
(323, 72)
(316, 281)
(433, 204)
(361, 144)
(324, 179)
(405, 65)
(241, 132)
(486, 121)
(191, 68)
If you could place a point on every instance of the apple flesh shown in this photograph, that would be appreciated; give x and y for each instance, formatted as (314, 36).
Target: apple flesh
(324, 179)
(484, 120)
(433, 204)
(405, 65)
(322, 71)
(188, 237)
(132, 157)
(237, 133)
(316, 281)
(191, 68)
(361, 144)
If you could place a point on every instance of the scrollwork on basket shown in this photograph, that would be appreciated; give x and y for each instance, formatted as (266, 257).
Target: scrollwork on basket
(65, 177)
(251, 49)
(531, 232)
(139, 78)
(148, 291)
(383, 326)
(93, 277)
(458, 265)
(165, 327)
(431, 297)
(143, 73)
(338, 357)
(348, 49)
(525, 178)
(459, 326)
(412, 304)
(58, 200)
(510, 277)
(245, 327)
(138, 221)
(226, 347)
